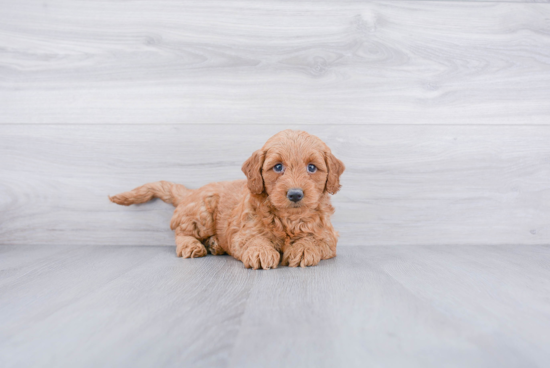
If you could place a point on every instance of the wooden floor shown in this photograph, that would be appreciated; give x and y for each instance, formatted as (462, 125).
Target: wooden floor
(392, 306)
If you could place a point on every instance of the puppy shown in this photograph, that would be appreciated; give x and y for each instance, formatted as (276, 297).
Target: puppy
(282, 208)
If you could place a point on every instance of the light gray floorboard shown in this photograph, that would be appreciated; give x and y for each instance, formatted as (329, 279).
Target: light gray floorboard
(274, 62)
(105, 306)
(403, 184)
(417, 306)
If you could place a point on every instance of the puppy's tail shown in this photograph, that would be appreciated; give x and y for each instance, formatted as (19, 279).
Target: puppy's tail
(168, 192)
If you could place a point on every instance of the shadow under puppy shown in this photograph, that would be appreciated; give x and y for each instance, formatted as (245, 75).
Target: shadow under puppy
(283, 206)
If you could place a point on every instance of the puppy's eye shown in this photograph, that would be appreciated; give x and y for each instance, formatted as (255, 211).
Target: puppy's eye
(311, 168)
(278, 168)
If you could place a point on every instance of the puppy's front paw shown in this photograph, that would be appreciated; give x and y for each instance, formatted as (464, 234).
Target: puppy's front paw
(261, 257)
(189, 247)
(302, 253)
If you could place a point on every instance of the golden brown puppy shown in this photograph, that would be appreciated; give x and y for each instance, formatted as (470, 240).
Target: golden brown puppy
(283, 207)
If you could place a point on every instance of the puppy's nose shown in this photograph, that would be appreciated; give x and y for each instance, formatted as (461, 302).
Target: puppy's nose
(295, 194)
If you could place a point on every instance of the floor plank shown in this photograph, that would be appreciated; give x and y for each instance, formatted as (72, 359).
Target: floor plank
(417, 306)
(271, 62)
(407, 306)
(105, 306)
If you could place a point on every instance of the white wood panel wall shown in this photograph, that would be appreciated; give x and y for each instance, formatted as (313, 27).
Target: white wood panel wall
(440, 110)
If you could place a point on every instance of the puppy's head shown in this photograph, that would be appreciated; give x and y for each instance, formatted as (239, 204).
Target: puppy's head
(294, 169)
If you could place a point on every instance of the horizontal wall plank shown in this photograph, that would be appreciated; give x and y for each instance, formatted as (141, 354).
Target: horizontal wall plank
(403, 184)
(271, 62)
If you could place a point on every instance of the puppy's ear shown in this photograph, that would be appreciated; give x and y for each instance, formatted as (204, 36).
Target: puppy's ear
(252, 168)
(335, 169)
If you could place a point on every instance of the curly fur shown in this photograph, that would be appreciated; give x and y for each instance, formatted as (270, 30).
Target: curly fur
(252, 220)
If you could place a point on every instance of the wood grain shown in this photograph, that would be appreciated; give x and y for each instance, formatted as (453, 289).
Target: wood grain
(403, 184)
(106, 305)
(392, 306)
(270, 62)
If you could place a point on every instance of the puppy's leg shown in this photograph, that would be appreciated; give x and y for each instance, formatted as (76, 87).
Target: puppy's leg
(260, 253)
(189, 247)
(305, 252)
(193, 222)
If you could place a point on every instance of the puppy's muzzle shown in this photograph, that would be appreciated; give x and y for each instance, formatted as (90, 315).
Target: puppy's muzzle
(295, 194)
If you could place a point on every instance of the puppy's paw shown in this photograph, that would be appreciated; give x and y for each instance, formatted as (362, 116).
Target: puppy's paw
(189, 247)
(261, 257)
(213, 247)
(302, 253)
